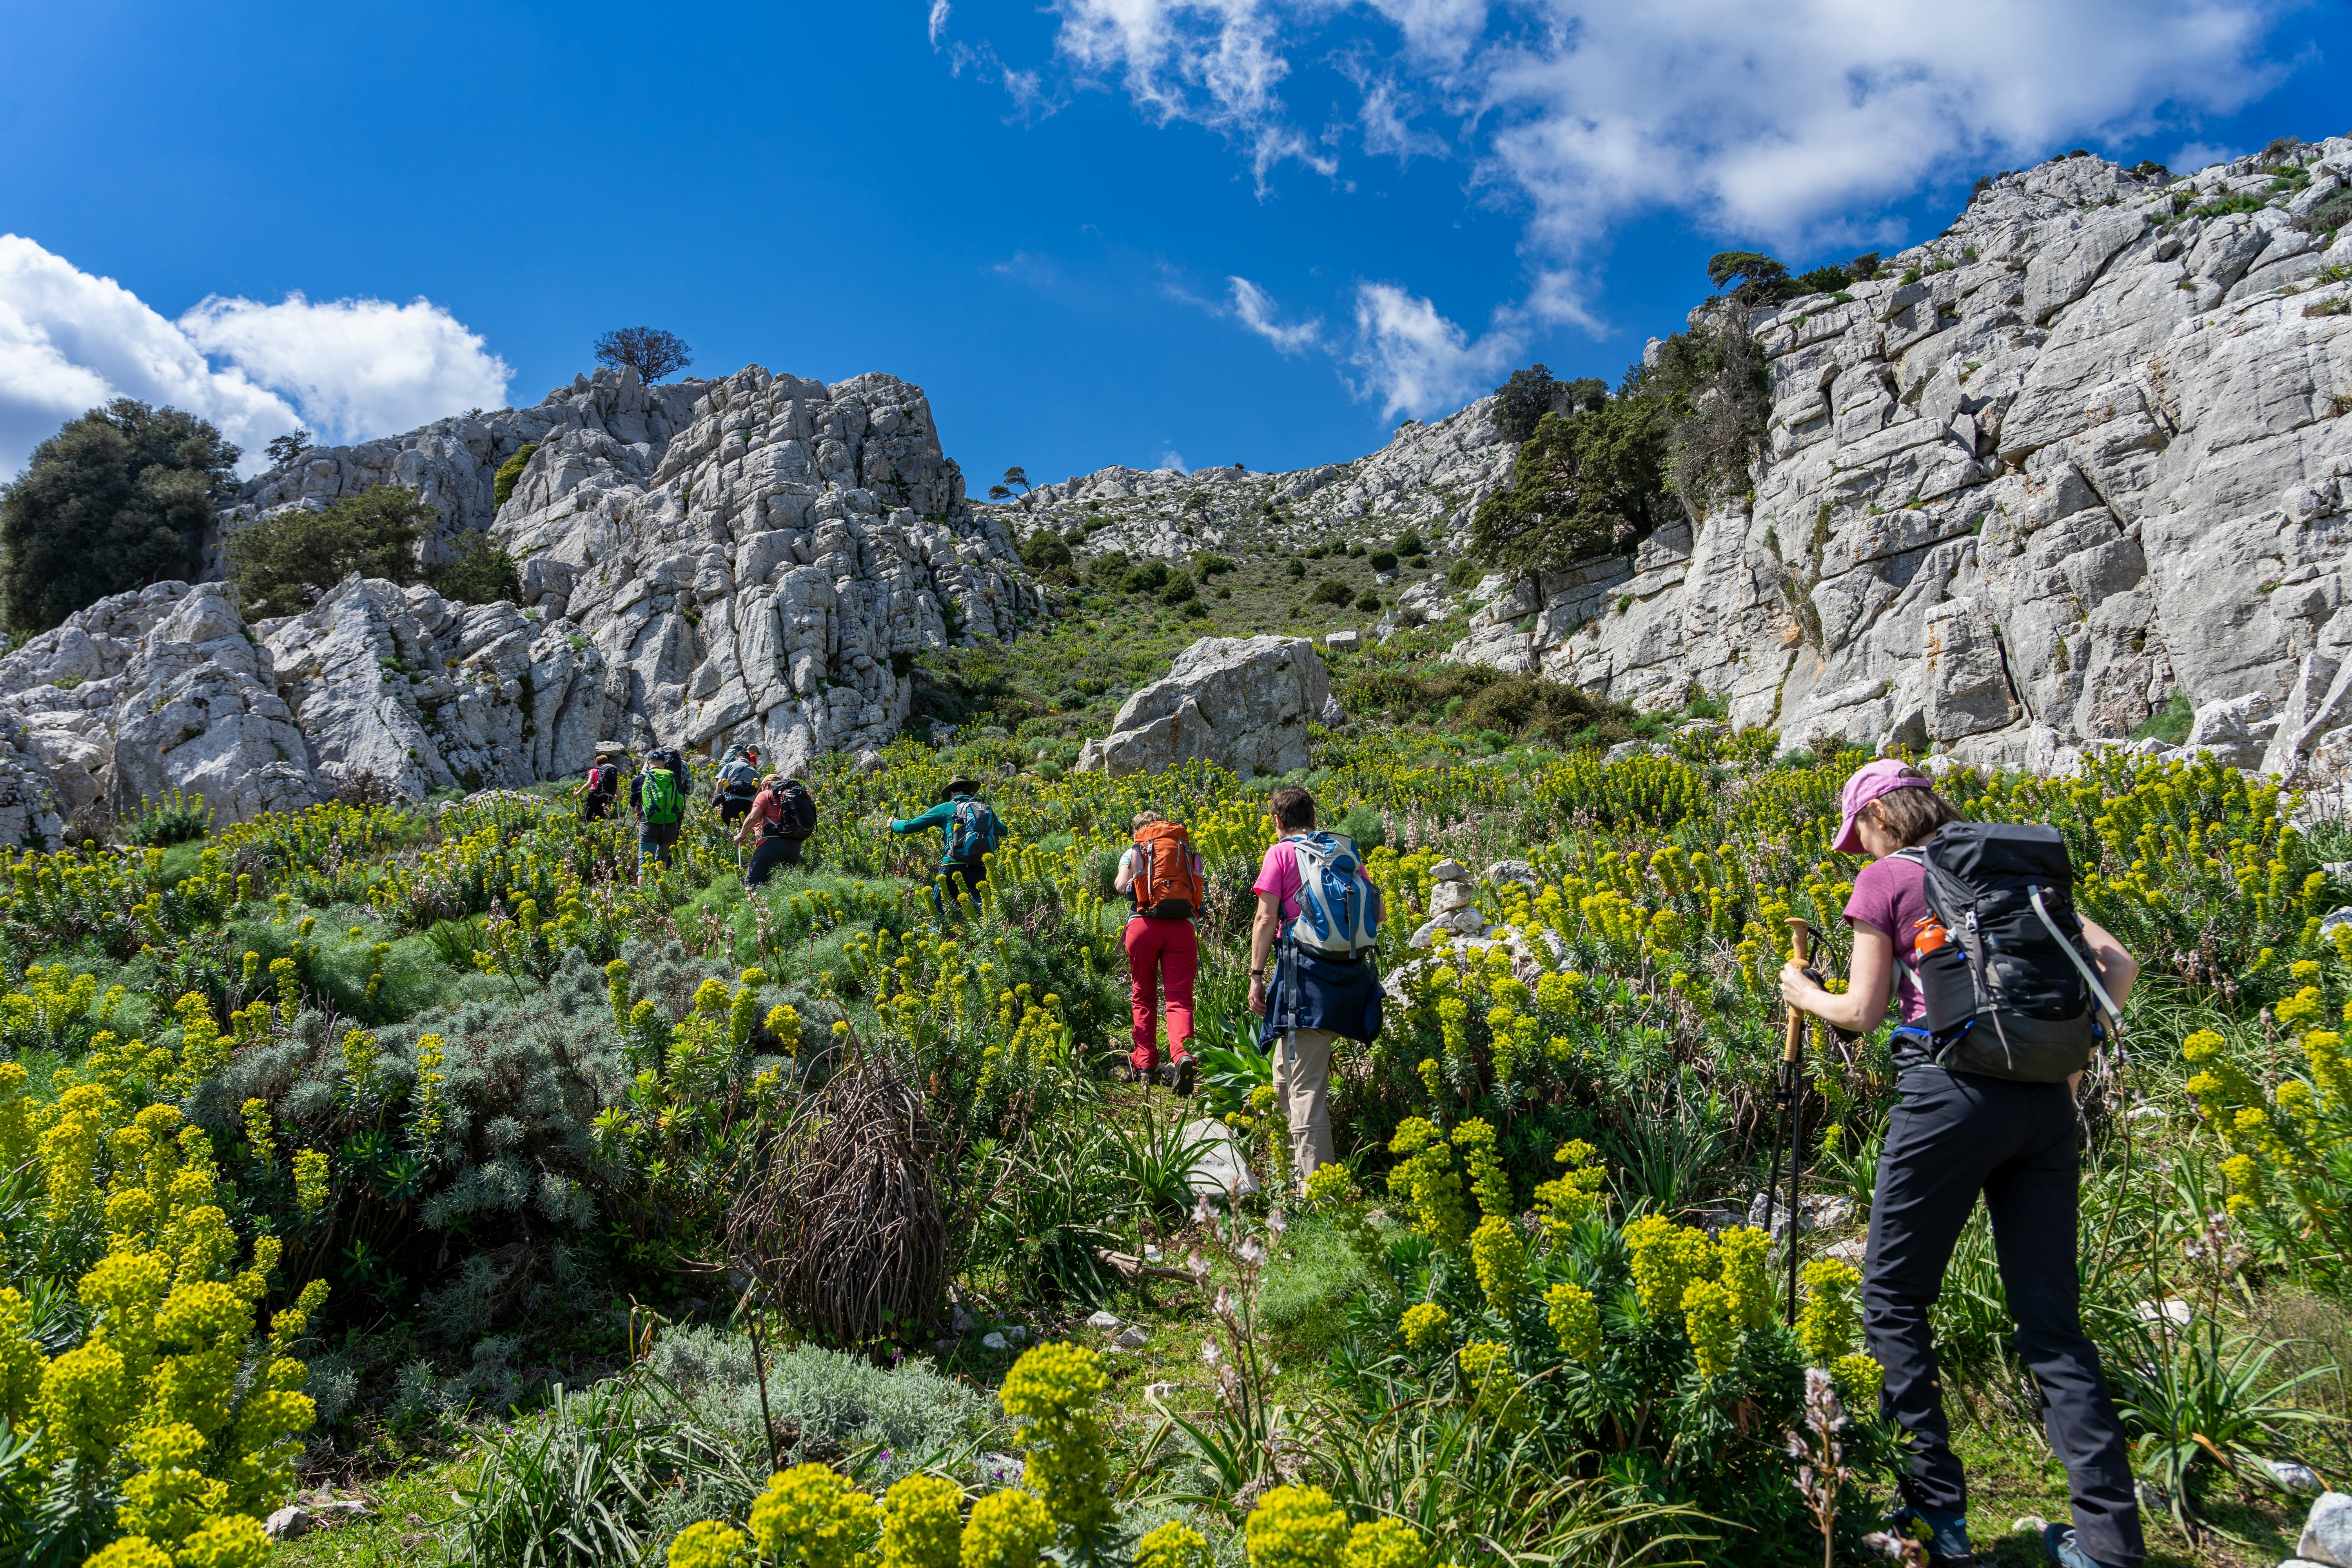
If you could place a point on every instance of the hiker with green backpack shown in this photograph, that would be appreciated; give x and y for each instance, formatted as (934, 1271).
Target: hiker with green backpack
(970, 830)
(658, 797)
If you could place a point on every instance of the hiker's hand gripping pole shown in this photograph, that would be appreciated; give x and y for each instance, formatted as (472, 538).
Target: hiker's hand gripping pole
(1791, 1098)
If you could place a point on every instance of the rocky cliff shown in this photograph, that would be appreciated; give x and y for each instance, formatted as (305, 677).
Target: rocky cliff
(2085, 450)
(755, 557)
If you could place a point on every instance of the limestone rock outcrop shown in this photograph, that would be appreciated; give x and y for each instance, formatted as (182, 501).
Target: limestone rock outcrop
(2083, 451)
(755, 557)
(147, 692)
(1245, 703)
(401, 691)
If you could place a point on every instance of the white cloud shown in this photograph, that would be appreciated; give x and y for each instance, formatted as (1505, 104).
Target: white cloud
(939, 21)
(70, 342)
(1256, 309)
(1217, 63)
(346, 368)
(1173, 458)
(1415, 360)
(1795, 125)
(354, 367)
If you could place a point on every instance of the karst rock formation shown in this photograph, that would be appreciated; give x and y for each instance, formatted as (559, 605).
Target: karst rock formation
(753, 558)
(2094, 454)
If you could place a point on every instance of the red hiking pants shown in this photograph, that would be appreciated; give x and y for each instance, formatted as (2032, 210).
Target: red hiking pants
(1158, 951)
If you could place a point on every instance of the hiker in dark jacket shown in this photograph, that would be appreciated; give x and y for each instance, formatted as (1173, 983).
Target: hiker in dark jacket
(968, 828)
(1950, 1136)
(601, 788)
(739, 783)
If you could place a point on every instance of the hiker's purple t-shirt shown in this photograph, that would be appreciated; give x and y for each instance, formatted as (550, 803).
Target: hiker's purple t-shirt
(1890, 896)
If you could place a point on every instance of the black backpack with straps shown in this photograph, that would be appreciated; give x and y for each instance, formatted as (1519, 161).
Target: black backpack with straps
(2011, 993)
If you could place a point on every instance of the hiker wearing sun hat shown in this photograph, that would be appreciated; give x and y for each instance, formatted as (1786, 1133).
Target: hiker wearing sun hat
(1955, 1134)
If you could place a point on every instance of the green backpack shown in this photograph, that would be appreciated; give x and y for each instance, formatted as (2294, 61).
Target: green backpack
(665, 802)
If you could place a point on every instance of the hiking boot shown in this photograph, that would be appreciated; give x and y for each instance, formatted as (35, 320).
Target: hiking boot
(1944, 1531)
(1181, 1079)
(2058, 1540)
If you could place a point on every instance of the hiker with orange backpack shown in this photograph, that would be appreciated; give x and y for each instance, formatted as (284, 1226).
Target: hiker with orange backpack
(1162, 875)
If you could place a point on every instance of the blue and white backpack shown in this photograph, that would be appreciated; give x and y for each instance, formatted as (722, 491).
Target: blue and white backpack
(1339, 908)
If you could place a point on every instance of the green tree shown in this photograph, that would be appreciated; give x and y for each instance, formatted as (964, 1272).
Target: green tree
(278, 561)
(118, 499)
(481, 573)
(1587, 483)
(653, 352)
(284, 449)
(1519, 402)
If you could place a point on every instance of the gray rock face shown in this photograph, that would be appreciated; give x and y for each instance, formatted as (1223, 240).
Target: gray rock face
(1245, 703)
(2328, 1532)
(751, 559)
(402, 691)
(766, 573)
(2092, 454)
(197, 708)
(1429, 478)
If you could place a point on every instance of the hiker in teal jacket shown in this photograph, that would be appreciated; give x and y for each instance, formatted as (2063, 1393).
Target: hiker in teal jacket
(968, 828)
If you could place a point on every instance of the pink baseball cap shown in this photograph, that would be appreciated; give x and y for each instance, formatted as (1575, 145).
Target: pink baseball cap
(1870, 781)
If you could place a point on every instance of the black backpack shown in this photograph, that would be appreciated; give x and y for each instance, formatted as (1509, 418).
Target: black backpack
(604, 779)
(2013, 993)
(799, 808)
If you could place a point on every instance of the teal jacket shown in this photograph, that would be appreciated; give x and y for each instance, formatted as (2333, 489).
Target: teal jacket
(941, 816)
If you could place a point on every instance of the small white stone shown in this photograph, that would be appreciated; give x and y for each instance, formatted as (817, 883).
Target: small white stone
(1449, 871)
(2173, 1310)
(1106, 1321)
(287, 1523)
(995, 1341)
(1132, 1338)
(2290, 1474)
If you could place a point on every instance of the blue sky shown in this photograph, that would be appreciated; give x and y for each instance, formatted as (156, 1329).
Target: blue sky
(1100, 231)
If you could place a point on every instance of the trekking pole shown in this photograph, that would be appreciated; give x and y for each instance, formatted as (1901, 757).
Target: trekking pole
(1792, 1095)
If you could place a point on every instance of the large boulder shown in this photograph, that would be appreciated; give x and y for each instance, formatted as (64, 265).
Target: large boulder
(197, 709)
(1245, 703)
(402, 691)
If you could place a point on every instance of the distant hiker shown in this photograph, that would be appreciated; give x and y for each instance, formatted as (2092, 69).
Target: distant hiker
(1985, 1079)
(737, 783)
(603, 785)
(970, 829)
(1162, 876)
(658, 795)
(1314, 902)
(779, 821)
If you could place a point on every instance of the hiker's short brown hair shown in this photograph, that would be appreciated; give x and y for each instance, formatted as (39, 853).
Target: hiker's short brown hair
(1146, 818)
(1912, 814)
(1293, 808)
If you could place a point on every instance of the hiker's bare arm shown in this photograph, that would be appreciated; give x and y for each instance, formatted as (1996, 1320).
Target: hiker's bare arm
(1868, 985)
(1269, 920)
(2117, 969)
(1126, 877)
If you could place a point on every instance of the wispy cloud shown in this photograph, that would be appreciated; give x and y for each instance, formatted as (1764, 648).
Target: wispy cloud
(1790, 125)
(1413, 360)
(938, 23)
(1255, 309)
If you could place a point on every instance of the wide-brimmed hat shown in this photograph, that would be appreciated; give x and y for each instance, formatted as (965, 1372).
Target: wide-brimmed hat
(1870, 781)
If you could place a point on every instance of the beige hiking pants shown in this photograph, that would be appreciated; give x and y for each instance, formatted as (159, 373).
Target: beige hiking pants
(1302, 1088)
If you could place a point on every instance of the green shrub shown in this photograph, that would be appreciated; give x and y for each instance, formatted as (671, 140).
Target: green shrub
(502, 484)
(1148, 578)
(1383, 561)
(176, 818)
(277, 561)
(1180, 591)
(1331, 591)
(481, 573)
(1409, 544)
(1369, 602)
(1293, 568)
(1044, 551)
(2171, 722)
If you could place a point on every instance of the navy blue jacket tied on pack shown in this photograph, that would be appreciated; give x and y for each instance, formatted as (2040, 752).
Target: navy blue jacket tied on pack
(1308, 992)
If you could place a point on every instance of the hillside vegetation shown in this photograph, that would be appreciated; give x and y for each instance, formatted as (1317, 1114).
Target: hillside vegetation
(454, 1132)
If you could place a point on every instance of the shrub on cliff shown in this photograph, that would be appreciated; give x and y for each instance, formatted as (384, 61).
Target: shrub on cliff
(503, 482)
(481, 573)
(279, 560)
(115, 500)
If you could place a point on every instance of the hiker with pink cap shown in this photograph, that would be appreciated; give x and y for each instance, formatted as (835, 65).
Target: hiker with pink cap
(1968, 929)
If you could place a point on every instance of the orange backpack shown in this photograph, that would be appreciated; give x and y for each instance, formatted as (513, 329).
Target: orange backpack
(1165, 887)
